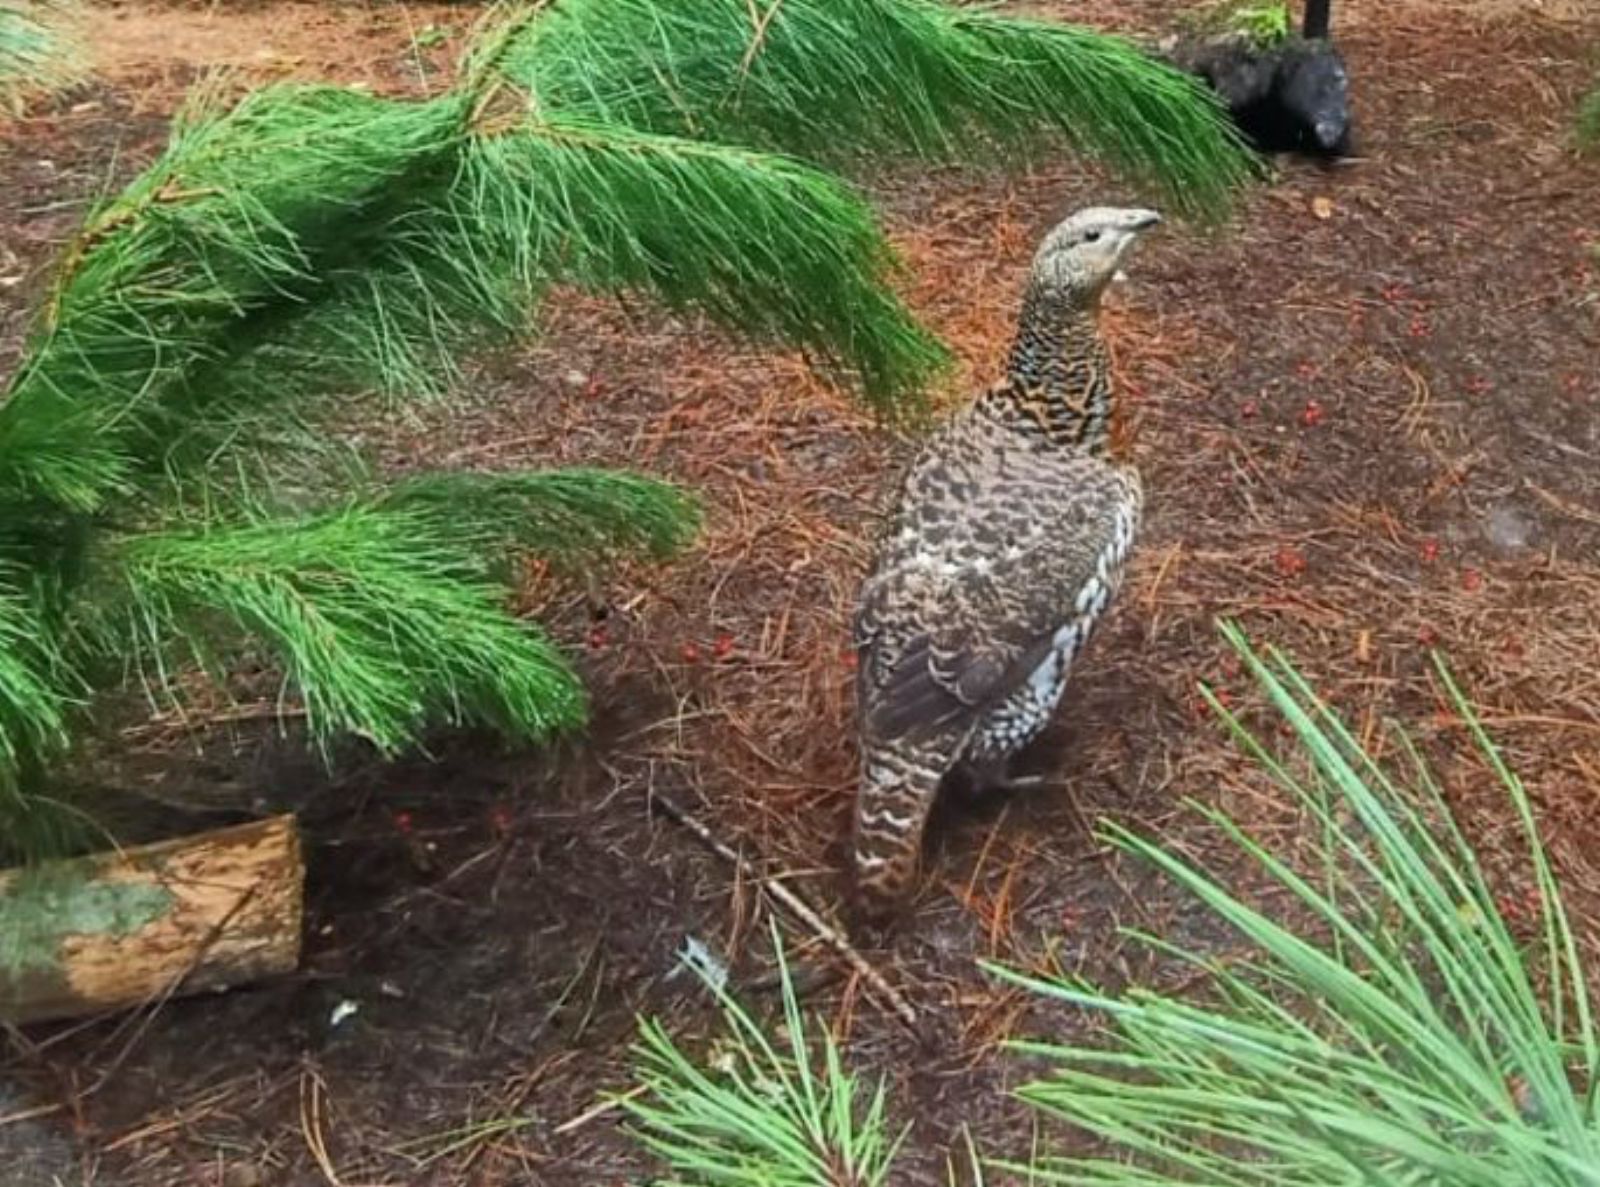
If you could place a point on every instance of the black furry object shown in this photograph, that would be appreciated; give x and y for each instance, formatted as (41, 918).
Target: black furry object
(1290, 97)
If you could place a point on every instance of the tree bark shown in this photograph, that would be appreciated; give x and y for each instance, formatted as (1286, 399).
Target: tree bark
(119, 929)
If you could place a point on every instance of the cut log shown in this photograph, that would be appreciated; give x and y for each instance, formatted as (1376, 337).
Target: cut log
(121, 929)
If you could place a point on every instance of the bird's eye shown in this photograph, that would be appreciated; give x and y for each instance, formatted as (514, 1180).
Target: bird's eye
(1090, 236)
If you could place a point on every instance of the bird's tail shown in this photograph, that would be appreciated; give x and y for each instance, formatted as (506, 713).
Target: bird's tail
(893, 800)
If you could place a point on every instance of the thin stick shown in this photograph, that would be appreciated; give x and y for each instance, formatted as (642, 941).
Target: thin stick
(797, 906)
(600, 1110)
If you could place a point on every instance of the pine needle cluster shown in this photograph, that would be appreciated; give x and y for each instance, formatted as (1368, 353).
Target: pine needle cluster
(169, 491)
(1383, 1022)
(38, 50)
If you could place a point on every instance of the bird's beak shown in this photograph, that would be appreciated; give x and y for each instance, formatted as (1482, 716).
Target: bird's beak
(1142, 220)
(1329, 132)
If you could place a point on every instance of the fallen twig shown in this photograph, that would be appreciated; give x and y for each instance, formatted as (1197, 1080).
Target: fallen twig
(829, 933)
(600, 1110)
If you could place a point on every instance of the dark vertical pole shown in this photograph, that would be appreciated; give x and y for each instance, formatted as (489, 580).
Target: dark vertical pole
(1318, 19)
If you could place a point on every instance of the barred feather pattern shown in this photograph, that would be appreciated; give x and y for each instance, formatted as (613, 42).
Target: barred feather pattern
(1012, 536)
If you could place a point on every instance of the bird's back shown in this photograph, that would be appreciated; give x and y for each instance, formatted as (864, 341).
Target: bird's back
(995, 541)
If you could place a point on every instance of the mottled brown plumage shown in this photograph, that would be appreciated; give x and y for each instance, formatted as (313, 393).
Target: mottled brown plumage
(1009, 541)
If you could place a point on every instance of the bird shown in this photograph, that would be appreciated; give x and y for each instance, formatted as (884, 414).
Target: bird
(1010, 538)
(1289, 97)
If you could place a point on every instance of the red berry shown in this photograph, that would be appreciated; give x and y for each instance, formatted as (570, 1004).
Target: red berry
(1249, 408)
(690, 653)
(598, 637)
(1429, 551)
(1313, 413)
(723, 647)
(403, 821)
(851, 660)
(1471, 580)
(1420, 328)
(1290, 561)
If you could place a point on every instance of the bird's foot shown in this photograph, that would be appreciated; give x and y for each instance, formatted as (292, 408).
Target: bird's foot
(1021, 782)
(981, 780)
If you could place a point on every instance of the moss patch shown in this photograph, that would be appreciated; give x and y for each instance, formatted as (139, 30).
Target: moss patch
(41, 908)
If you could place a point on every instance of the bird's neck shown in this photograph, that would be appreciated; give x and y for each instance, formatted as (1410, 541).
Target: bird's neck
(1058, 376)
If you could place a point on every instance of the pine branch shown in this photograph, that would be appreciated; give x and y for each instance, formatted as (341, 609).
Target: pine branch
(168, 284)
(576, 515)
(313, 240)
(382, 624)
(765, 245)
(861, 79)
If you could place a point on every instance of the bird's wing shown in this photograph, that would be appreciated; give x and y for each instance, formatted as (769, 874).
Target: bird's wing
(970, 591)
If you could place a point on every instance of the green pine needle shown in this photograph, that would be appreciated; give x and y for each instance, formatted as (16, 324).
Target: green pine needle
(381, 622)
(38, 692)
(862, 79)
(1390, 1030)
(1589, 121)
(759, 1114)
(765, 245)
(224, 237)
(37, 50)
(578, 515)
(37, 695)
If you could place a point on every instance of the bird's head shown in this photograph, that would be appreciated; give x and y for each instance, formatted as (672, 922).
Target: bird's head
(1080, 256)
(1315, 88)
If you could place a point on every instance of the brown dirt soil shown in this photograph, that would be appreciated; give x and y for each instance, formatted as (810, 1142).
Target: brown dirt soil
(1369, 417)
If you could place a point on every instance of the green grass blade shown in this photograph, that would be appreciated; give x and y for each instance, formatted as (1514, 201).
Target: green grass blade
(754, 1113)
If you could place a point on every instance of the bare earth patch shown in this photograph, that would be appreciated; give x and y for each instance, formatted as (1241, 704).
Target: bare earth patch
(1369, 418)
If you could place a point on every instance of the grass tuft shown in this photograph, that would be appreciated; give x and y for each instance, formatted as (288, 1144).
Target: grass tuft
(755, 1113)
(1389, 1026)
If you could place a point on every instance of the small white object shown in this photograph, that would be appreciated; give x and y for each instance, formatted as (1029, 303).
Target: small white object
(1119, 277)
(345, 1009)
(695, 955)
